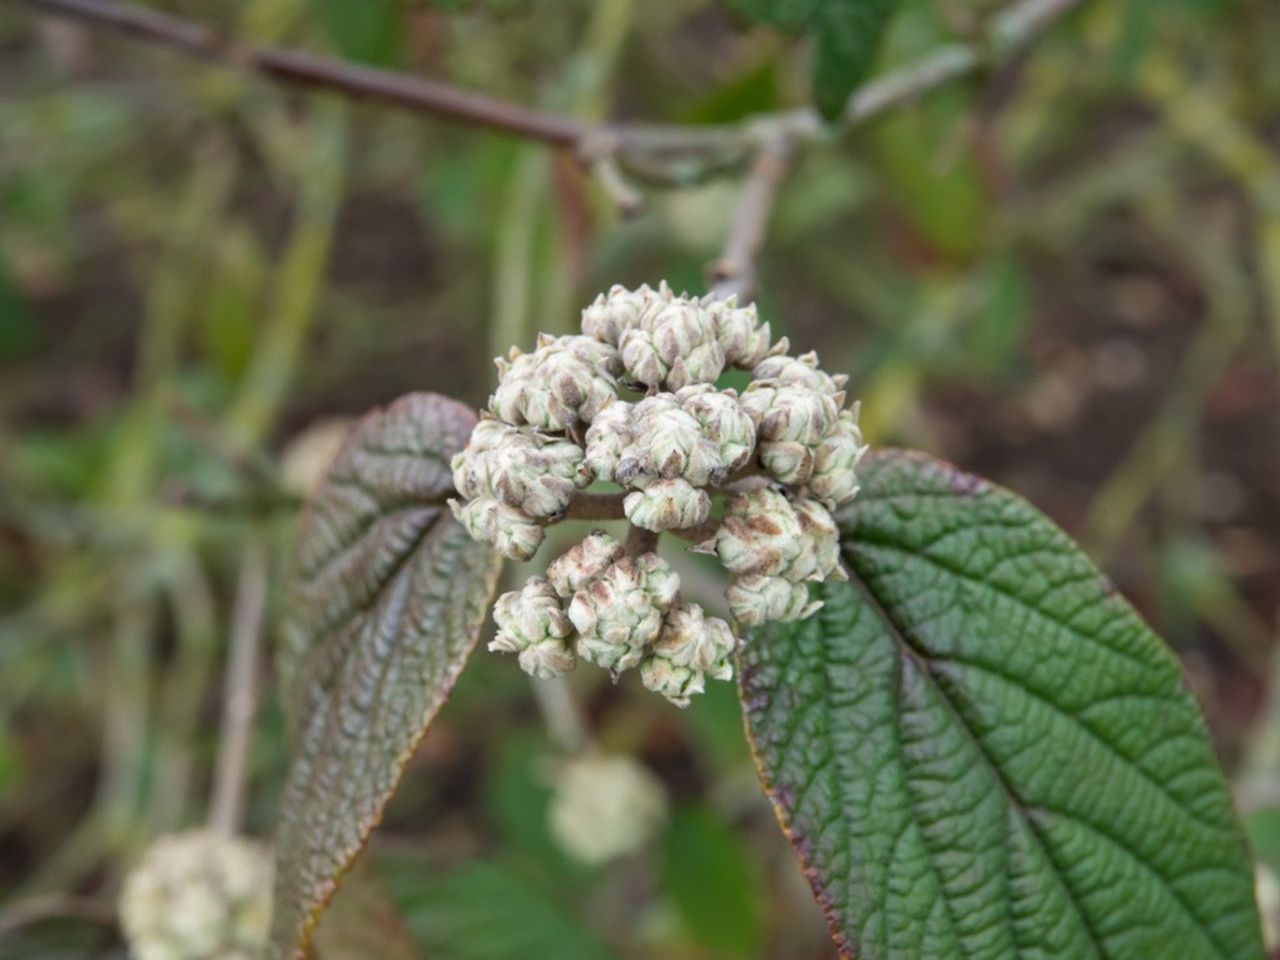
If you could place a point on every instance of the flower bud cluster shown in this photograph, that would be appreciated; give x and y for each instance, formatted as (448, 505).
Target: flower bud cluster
(773, 548)
(567, 415)
(513, 477)
(198, 896)
(805, 437)
(605, 807)
(618, 612)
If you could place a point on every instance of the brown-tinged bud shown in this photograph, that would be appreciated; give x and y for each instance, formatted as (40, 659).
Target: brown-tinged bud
(582, 563)
(532, 624)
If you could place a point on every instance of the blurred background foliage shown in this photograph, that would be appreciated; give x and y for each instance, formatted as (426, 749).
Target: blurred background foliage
(1064, 275)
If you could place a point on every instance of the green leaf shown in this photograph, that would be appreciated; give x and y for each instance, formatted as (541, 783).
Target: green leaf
(707, 874)
(388, 597)
(369, 31)
(978, 749)
(486, 911)
(846, 36)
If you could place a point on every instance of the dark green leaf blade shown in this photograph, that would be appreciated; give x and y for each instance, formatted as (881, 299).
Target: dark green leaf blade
(846, 38)
(979, 750)
(845, 34)
(388, 598)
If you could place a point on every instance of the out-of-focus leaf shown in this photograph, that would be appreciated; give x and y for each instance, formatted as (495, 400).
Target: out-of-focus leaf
(60, 938)
(363, 922)
(978, 748)
(17, 329)
(388, 597)
(485, 911)
(846, 35)
(1262, 827)
(708, 875)
(517, 794)
(369, 31)
(997, 329)
(932, 175)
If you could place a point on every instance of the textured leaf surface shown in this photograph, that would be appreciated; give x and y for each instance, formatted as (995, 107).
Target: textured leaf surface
(979, 750)
(846, 35)
(388, 598)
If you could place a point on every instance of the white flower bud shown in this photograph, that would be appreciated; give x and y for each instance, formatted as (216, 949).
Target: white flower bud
(836, 457)
(744, 339)
(760, 534)
(802, 371)
(608, 435)
(605, 807)
(566, 380)
(668, 443)
(581, 564)
(511, 532)
(614, 313)
(790, 412)
(821, 557)
(673, 347)
(788, 461)
(690, 646)
(723, 422)
(535, 474)
(667, 505)
(620, 612)
(756, 599)
(198, 896)
(532, 624)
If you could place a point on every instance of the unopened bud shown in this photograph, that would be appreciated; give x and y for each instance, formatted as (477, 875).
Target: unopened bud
(536, 474)
(794, 413)
(788, 461)
(512, 533)
(675, 347)
(532, 624)
(668, 443)
(723, 423)
(756, 599)
(690, 647)
(667, 505)
(760, 534)
(620, 612)
(565, 381)
(744, 339)
(582, 563)
(607, 437)
(801, 371)
(836, 457)
(613, 314)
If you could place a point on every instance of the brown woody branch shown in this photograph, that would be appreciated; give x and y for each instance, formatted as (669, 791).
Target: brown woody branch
(665, 153)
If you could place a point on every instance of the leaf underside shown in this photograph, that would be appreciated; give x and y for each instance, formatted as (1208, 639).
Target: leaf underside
(979, 750)
(387, 600)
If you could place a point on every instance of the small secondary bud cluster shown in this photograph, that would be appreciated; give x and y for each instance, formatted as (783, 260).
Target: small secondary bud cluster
(198, 896)
(605, 806)
(560, 420)
(598, 604)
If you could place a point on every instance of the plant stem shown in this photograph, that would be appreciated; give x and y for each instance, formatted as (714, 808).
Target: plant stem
(639, 541)
(596, 506)
(240, 689)
(734, 274)
(660, 152)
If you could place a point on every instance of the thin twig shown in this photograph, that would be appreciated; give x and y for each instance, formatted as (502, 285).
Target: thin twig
(240, 689)
(640, 541)
(309, 70)
(734, 273)
(562, 714)
(596, 506)
(662, 152)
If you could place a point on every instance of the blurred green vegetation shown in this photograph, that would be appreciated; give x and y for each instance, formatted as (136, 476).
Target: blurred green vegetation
(1064, 275)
